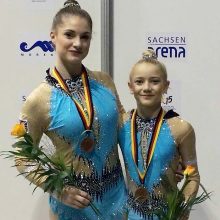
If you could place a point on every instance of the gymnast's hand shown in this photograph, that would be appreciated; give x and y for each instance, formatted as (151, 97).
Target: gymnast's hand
(75, 197)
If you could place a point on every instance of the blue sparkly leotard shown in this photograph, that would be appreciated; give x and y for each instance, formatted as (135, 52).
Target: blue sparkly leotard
(160, 175)
(51, 110)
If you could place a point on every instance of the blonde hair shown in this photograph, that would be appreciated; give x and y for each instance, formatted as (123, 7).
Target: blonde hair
(149, 56)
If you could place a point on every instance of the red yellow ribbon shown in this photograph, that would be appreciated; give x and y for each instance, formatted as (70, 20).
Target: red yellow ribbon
(152, 145)
(86, 119)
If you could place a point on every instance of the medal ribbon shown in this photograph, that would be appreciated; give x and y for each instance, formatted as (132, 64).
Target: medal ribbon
(87, 120)
(152, 145)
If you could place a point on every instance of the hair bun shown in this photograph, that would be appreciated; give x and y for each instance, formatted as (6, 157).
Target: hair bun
(72, 3)
(149, 54)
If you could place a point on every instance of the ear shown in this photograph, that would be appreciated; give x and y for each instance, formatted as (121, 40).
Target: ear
(130, 88)
(53, 37)
(166, 86)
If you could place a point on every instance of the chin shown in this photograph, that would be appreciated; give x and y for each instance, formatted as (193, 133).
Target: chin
(148, 103)
(75, 60)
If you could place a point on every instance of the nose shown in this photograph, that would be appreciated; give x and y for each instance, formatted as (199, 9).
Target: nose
(77, 42)
(147, 87)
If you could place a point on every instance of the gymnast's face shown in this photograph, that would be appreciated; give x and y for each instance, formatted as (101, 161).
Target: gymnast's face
(147, 84)
(72, 39)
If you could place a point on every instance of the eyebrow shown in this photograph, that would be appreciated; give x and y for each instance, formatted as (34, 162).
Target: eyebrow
(142, 77)
(138, 77)
(158, 77)
(87, 32)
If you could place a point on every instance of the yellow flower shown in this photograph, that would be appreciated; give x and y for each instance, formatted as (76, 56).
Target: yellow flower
(18, 130)
(189, 170)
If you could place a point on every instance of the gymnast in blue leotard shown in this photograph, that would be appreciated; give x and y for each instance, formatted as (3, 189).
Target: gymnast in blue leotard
(79, 111)
(153, 141)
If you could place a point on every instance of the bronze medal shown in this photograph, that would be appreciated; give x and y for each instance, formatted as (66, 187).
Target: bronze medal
(141, 194)
(87, 144)
(87, 141)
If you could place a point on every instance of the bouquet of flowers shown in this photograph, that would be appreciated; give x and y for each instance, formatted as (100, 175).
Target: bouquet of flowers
(177, 207)
(54, 172)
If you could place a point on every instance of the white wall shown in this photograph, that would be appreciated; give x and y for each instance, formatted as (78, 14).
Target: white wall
(29, 21)
(194, 79)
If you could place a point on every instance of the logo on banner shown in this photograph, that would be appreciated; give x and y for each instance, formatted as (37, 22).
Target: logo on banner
(167, 102)
(39, 48)
(172, 100)
(167, 45)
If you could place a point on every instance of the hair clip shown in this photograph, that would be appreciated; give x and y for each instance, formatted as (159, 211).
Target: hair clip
(74, 4)
(149, 56)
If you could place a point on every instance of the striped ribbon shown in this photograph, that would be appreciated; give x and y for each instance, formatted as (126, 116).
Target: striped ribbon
(152, 145)
(86, 119)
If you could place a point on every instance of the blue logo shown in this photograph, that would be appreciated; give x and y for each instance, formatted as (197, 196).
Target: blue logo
(46, 46)
(168, 46)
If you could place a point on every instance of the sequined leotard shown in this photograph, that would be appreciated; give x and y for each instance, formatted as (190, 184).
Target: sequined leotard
(51, 111)
(176, 137)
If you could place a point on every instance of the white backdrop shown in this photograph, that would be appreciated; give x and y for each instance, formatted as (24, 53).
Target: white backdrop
(28, 21)
(194, 78)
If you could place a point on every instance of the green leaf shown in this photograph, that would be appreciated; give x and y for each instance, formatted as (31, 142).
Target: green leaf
(35, 151)
(23, 173)
(63, 174)
(17, 153)
(20, 144)
(49, 184)
(28, 138)
(204, 190)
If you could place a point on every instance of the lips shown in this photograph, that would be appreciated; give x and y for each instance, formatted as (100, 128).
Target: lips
(75, 52)
(146, 96)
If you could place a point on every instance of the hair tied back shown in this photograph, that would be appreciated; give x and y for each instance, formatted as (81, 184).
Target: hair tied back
(72, 3)
(149, 55)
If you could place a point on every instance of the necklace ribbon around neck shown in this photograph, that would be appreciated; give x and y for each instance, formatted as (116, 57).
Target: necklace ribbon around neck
(86, 119)
(152, 145)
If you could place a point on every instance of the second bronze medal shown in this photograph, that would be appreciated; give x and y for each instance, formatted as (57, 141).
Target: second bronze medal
(87, 142)
(141, 194)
